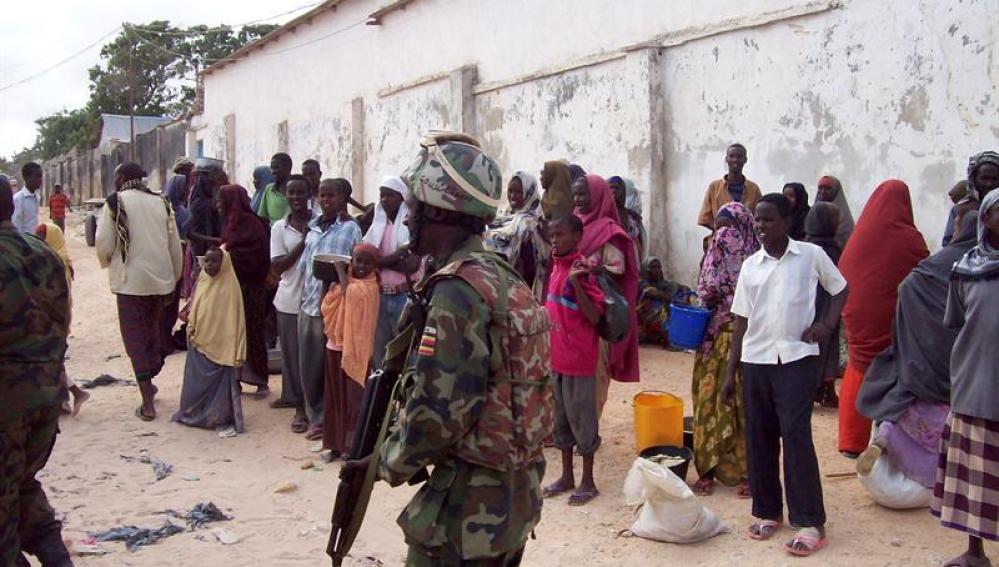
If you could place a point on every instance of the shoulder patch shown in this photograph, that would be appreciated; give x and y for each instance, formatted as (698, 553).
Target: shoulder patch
(428, 343)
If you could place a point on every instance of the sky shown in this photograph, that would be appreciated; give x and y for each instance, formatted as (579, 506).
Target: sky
(39, 34)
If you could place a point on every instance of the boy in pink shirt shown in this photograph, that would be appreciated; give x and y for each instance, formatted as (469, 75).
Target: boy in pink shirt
(574, 305)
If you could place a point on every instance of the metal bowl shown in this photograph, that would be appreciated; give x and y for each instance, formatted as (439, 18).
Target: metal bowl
(324, 266)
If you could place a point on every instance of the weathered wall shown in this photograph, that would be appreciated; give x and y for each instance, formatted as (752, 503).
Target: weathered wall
(862, 89)
(878, 89)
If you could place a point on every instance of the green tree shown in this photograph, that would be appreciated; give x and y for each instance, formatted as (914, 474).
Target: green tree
(59, 132)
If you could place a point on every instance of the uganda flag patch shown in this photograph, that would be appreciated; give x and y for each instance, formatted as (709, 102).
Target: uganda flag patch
(428, 343)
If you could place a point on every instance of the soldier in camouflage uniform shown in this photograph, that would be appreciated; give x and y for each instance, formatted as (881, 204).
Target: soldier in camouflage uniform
(34, 323)
(478, 403)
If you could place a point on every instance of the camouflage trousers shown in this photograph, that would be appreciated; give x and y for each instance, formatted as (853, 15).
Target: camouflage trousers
(418, 557)
(27, 521)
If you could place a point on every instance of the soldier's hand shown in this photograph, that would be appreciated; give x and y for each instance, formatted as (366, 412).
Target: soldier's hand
(359, 465)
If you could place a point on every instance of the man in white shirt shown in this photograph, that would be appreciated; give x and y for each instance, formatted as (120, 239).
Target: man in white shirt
(775, 338)
(26, 200)
(287, 244)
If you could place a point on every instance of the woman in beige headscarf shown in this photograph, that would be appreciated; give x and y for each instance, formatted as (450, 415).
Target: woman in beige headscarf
(216, 347)
(556, 181)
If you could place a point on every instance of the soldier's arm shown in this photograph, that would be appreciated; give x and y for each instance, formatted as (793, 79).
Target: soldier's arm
(449, 388)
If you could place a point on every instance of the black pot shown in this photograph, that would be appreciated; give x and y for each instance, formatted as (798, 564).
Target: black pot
(680, 469)
(324, 267)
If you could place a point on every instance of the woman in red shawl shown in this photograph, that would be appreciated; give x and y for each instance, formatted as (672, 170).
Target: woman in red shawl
(247, 239)
(884, 247)
(608, 246)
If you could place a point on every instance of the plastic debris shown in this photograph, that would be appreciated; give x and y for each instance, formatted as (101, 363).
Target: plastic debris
(202, 513)
(160, 467)
(191, 477)
(103, 380)
(285, 487)
(136, 537)
(224, 536)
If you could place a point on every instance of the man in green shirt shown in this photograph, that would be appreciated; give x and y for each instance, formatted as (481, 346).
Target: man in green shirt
(274, 205)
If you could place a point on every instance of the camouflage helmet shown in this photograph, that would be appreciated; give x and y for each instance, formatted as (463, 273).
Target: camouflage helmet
(452, 173)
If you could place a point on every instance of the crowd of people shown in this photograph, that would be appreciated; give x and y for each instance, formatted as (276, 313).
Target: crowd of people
(788, 284)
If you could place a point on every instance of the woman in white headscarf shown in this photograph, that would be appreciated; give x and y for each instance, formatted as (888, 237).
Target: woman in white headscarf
(517, 234)
(397, 266)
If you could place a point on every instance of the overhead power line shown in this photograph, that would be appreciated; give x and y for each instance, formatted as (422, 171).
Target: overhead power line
(60, 63)
(190, 32)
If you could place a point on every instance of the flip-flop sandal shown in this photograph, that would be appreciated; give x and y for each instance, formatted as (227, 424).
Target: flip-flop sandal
(761, 534)
(550, 492)
(142, 416)
(314, 435)
(704, 487)
(299, 425)
(744, 492)
(810, 538)
(581, 498)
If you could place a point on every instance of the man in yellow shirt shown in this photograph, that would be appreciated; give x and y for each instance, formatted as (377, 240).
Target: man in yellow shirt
(733, 187)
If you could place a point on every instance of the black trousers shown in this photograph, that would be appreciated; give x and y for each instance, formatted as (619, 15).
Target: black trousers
(778, 400)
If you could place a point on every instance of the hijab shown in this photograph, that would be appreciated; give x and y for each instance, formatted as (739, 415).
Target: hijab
(800, 210)
(820, 228)
(262, 177)
(176, 192)
(883, 250)
(204, 217)
(846, 223)
(216, 325)
(56, 239)
(557, 200)
(601, 227)
(400, 232)
(575, 172)
(982, 261)
(729, 248)
(508, 232)
(244, 235)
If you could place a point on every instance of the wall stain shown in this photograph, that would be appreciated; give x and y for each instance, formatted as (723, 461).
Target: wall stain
(915, 108)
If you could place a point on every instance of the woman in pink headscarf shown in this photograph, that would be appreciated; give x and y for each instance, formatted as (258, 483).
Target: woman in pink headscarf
(609, 247)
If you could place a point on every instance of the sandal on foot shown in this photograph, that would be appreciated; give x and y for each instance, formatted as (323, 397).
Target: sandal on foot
(315, 434)
(763, 530)
(299, 424)
(704, 487)
(142, 416)
(580, 498)
(744, 491)
(806, 542)
(554, 489)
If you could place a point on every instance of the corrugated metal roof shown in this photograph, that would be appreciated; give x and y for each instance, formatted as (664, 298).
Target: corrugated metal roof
(118, 128)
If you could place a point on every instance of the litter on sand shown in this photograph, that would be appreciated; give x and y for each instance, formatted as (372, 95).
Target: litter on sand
(136, 537)
(224, 536)
(103, 380)
(161, 468)
(202, 513)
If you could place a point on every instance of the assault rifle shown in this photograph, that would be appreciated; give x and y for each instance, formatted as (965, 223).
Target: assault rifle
(354, 490)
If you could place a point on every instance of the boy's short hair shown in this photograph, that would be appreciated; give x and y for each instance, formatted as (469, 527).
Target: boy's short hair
(780, 202)
(282, 158)
(29, 168)
(574, 223)
(297, 177)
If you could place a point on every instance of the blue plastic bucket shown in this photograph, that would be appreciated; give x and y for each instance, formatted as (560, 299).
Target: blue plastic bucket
(687, 325)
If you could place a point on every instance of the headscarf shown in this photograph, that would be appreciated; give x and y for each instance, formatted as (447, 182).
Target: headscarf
(820, 229)
(175, 191)
(216, 325)
(982, 261)
(262, 177)
(181, 163)
(508, 232)
(557, 200)
(976, 161)
(56, 239)
(350, 325)
(601, 227)
(204, 217)
(917, 365)
(244, 235)
(800, 210)
(400, 232)
(846, 223)
(883, 250)
(575, 172)
(729, 248)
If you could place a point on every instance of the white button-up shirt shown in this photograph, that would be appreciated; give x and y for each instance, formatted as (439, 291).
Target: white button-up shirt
(777, 296)
(25, 217)
(284, 238)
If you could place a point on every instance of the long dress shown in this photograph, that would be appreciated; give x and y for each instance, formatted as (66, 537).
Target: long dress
(719, 426)
(216, 347)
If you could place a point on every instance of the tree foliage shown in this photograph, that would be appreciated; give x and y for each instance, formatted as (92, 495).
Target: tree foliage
(151, 68)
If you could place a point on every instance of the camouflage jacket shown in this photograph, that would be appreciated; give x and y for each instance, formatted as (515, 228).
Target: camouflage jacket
(476, 504)
(34, 324)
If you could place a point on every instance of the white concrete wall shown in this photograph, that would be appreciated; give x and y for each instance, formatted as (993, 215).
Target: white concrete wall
(872, 89)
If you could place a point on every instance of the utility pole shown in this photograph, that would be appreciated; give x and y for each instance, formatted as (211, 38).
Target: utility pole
(131, 93)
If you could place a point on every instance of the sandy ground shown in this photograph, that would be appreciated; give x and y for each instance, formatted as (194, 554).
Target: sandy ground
(93, 488)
